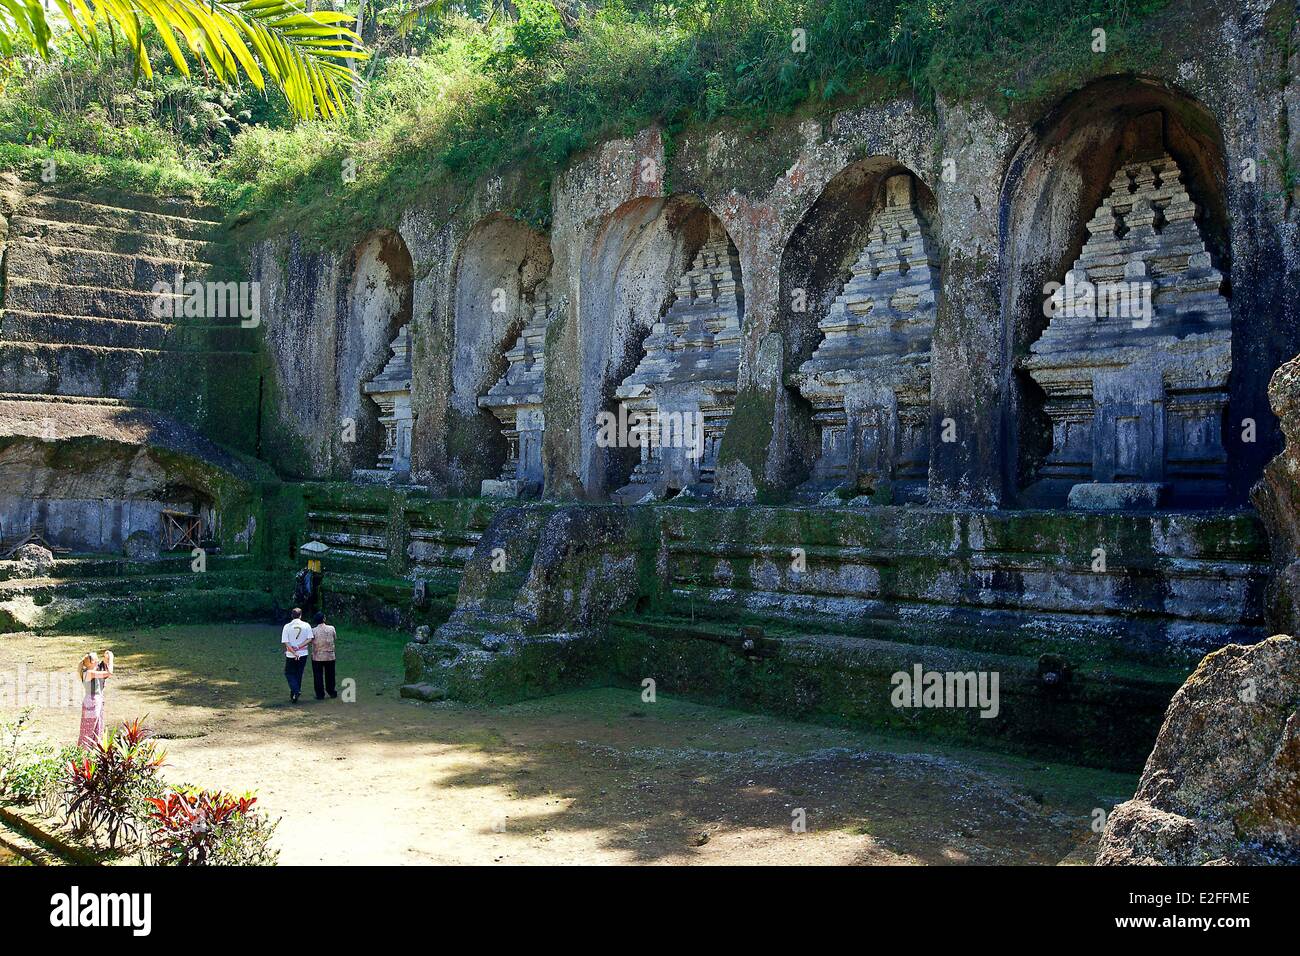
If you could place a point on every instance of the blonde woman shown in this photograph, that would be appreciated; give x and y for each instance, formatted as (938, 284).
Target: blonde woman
(93, 672)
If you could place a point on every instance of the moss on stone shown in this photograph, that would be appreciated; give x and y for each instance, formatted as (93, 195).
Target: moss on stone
(748, 435)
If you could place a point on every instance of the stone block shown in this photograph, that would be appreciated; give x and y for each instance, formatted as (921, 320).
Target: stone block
(1118, 495)
(499, 488)
(424, 691)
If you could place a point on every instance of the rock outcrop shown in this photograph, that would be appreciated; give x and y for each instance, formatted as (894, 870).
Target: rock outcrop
(1222, 785)
(534, 600)
(33, 561)
(1277, 497)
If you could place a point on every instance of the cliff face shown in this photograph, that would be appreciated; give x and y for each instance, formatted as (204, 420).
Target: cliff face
(128, 370)
(1007, 200)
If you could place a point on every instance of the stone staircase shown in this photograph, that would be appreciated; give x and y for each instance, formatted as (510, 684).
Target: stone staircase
(96, 593)
(79, 314)
(385, 544)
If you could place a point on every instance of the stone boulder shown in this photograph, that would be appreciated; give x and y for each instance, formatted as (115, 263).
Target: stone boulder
(1223, 782)
(141, 546)
(34, 561)
(1277, 497)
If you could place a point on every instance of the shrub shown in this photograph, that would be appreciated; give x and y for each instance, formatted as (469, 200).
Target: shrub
(104, 792)
(38, 780)
(195, 827)
(12, 751)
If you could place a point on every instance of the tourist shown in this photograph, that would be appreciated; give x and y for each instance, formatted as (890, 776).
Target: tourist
(295, 637)
(322, 656)
(93, 673)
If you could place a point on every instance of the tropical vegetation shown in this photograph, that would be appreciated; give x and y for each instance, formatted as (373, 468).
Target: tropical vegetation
(453, 90)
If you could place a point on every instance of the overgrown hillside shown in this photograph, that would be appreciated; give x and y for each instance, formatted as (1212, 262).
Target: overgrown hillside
(483, 85)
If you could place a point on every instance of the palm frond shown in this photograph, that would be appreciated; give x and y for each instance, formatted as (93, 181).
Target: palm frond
(305, 54)
(422, 11)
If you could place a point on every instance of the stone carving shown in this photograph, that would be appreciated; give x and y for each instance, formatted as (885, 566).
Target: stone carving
(869, 379)
(516, 399)
(1136, 357)
(391, 391)
(680, 397)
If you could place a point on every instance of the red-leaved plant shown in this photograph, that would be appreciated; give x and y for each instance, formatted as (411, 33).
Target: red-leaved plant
(104, 793)
(195, 827)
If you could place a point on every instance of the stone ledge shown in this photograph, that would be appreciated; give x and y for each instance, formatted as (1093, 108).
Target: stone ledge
(40, 832)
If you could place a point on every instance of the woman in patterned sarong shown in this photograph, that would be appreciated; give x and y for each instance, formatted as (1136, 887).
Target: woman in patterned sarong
(93, 673)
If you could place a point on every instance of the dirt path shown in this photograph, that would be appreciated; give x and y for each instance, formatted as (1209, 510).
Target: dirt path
(590, 777)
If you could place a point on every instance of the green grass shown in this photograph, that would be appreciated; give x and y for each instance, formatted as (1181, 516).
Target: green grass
(88, 172)
(531, 95)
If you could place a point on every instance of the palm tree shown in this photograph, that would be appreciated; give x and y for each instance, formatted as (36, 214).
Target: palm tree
(306, 54)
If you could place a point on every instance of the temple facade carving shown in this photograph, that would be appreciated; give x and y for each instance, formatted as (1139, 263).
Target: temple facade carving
(681, 395)
(869, 379)
(516, 400)
(391, 391)
(1137, 354)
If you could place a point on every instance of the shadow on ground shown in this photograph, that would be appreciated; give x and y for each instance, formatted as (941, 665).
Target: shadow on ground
(590, 776)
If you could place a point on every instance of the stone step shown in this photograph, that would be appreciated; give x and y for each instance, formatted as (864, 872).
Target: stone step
(65, 265)
(45, 329)
(1080, 636)
(68, 209)
(90, 370)
(185, 206)
(1222, 592)
(1174, 584)
(85, 371)
(370, 596)
(37, 295)
(91, 401)
(43, 591)
(139, 609)
(1091, 715)
(79, 235)
(74, 568)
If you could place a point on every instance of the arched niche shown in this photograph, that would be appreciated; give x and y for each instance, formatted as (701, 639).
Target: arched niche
(650, 257)
(859, 289)
(374, 362)
(499, 273)
(1062, 176)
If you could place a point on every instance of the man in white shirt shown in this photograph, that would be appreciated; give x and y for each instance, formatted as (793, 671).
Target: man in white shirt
(295, 637)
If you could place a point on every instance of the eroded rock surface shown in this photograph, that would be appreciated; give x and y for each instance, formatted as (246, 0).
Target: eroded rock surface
(34, 561)
(1223, 782)
(1277, 496)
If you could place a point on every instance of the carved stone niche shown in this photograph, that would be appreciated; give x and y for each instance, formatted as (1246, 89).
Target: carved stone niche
(1136, 356)
(869, 378)
(516, 400)
(680, 397)
(391, 391)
